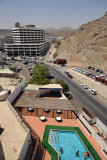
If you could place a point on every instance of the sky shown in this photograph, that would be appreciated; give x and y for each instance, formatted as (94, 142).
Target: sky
(50, 13)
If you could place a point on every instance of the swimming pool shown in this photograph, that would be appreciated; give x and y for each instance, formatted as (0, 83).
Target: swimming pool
(70, 143)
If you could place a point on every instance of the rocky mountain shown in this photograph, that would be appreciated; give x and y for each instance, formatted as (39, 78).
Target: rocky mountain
(63, 32)
(5, 33)
(87, 45)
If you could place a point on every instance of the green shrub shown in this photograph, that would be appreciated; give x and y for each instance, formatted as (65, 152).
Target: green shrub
(55, 55)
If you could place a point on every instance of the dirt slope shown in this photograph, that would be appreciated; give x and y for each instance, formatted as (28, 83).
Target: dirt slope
(88, 45)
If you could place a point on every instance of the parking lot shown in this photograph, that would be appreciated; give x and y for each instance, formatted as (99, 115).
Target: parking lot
(90, 82)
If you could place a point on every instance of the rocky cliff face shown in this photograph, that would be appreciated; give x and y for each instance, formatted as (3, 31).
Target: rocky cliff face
(88, 44)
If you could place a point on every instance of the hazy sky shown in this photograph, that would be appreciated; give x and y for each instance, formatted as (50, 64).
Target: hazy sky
(50, 13)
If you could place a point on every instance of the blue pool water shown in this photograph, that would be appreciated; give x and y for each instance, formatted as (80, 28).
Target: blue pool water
(70, 143)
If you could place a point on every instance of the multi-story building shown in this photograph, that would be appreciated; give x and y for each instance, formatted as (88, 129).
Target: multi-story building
(52, 39)
(27, 40)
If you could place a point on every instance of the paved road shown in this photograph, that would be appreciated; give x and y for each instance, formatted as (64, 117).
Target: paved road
(82, 98)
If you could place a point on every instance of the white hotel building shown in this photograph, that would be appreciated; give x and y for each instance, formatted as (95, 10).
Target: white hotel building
(28, 41)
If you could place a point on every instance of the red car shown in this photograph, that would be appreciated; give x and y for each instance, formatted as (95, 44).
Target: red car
(36, 63)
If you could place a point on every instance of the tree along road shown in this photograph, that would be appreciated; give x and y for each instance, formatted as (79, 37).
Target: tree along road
(81, 97)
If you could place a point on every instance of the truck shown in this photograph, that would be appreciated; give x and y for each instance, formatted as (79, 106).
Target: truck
(60, 61)
(106, 81)
(102, 80)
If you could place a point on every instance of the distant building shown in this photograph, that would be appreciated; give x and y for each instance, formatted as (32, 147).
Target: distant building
(27, 40)
(52, 39)
(0, 56)
(1, 44)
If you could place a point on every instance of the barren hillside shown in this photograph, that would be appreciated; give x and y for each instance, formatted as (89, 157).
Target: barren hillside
(64, 31)
(88, 45)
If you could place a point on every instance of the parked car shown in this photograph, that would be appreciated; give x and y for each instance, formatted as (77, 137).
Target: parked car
(48, 60)
(36, 63)
(31, 73)
(63, 64)
(89, 67)
(92, 76)
(97, 70)
(20, 68)
(88, 74)
(101, 71)
(93, 91)
(41, 62)
(50, 77)
(25, 62)
(92, 68)
(66, 72)
(84, 86)
(70, 76)
(30, 67)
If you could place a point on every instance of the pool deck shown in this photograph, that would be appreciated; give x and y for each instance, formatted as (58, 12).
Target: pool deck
(39, 128)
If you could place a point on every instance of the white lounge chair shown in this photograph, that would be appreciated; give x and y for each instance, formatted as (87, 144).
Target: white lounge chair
(43, 118)
(59, 119)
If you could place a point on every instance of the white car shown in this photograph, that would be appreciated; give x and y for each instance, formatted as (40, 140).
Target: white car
(84, 86)
(48, 60)
(93, 91)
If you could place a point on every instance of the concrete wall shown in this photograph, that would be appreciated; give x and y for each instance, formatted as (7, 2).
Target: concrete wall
(93, 133)
(25, 146)
(90, 121)
(8, 74)
(87, 125)
(43, 91)
(28, 137)
(101, 125)
(0, 56)
(16, 92)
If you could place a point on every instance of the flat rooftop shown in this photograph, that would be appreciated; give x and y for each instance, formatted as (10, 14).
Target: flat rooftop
(49, 86)
(6, 71)
(12, 133)
(29, 99)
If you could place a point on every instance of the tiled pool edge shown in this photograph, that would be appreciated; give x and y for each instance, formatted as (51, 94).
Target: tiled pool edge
(54, 154)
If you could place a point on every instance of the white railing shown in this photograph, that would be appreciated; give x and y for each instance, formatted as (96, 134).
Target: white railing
(93, 133)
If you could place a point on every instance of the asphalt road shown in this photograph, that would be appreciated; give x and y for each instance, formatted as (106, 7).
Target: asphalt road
(81, 97)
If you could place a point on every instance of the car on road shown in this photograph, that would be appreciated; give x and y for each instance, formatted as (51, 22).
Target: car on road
(66, 72)
(84, 86)
(48, 60)
(49, 76)
(93, 91)
(70, 76)
(63, 64)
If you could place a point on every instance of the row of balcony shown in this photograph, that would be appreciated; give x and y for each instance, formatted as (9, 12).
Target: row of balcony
(26, 31)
